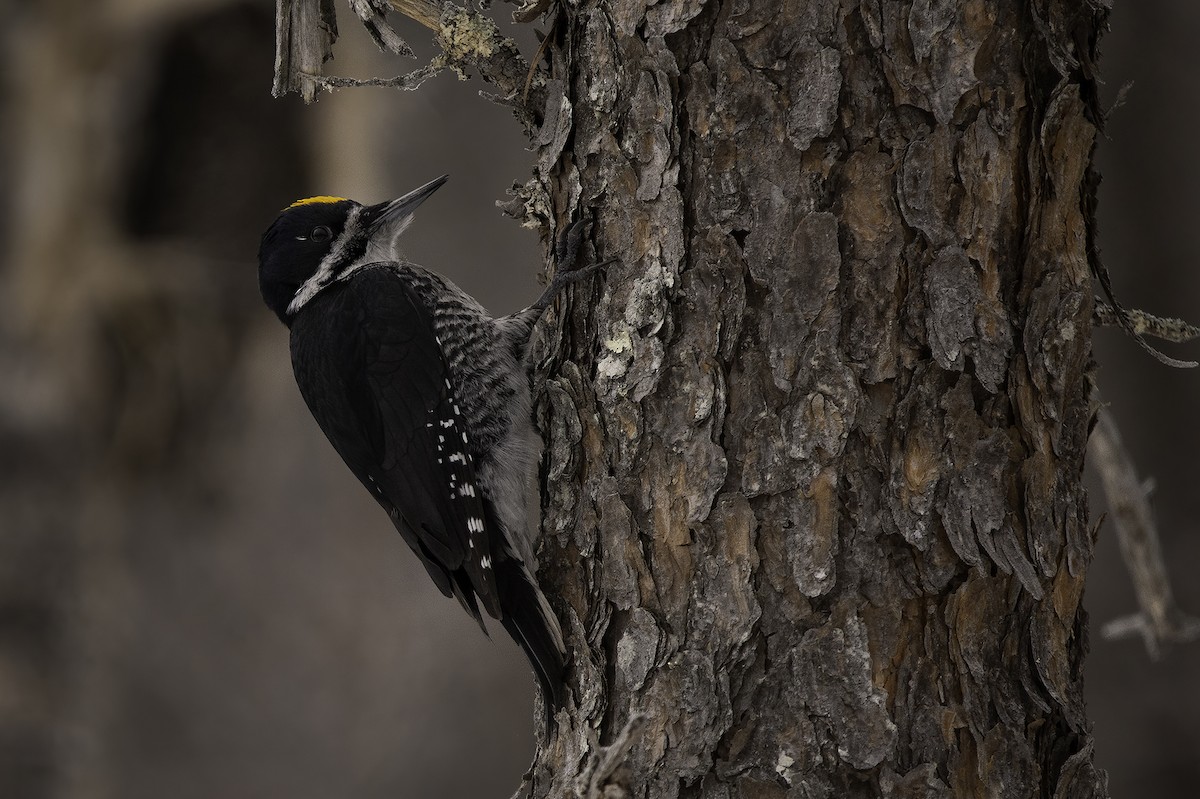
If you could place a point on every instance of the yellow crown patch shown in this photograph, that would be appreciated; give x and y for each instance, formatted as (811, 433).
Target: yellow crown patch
(319, 199)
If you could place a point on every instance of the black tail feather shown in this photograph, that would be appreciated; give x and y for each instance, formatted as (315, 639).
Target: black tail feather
(523, 604)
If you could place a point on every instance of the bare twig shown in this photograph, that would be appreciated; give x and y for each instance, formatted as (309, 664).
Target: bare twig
(1124, 319)
(1145, 324)
(426, 12)
(371, 12)
(1160, 622)
(410, 82)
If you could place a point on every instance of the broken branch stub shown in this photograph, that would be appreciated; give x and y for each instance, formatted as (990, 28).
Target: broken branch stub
(305, 31)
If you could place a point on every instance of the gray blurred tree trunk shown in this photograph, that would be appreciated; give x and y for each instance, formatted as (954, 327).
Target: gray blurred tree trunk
(814, 508)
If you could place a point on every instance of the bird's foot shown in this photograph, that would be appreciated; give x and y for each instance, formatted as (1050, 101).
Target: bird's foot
(566, 251)
(566, 247)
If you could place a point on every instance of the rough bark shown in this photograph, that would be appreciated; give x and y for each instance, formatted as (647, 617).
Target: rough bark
(813, 497)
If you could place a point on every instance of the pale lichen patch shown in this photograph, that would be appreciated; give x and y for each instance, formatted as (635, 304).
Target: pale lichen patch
(465, 37)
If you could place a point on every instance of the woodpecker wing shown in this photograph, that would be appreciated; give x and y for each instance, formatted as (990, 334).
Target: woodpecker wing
(375, 380)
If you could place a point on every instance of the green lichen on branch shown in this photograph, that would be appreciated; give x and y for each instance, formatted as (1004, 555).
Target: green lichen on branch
(466, 37)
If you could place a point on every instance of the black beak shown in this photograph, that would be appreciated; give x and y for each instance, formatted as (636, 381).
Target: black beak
(399, 209)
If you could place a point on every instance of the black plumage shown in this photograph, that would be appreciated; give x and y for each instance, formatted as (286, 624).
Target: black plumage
(426, 399)
(377, 384)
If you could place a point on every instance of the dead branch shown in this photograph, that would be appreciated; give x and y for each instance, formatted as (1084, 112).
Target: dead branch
(306, 31)
(1159, 621)
(1165, 328)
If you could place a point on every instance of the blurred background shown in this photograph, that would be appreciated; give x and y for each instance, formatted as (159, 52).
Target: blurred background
(196, 597)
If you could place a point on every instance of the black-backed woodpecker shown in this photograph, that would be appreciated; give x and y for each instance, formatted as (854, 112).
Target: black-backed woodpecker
(425, 397)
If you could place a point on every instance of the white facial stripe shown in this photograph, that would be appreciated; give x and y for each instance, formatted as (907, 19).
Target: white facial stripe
(325, 272)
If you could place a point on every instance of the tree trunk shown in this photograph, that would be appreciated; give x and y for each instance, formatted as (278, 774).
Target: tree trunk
(814, 505)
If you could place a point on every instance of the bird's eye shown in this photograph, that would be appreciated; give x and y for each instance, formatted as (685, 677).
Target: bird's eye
(320, 233)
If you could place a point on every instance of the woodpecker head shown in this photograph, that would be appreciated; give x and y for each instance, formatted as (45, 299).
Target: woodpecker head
(315, 241)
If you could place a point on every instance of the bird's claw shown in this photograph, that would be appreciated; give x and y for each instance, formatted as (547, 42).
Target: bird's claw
(566, 252)
(566, 247)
